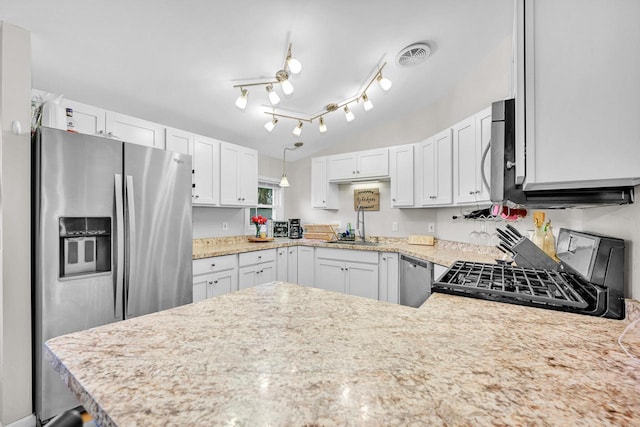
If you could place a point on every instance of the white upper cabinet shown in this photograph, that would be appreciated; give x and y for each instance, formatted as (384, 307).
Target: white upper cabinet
(470, 139)
(359, 166)
(238, 175)
(179, 141)
(134, 130)
(206, 171)
(401, 173)
(579, 63)
(436, 170)
(324, 195)
(89, 120)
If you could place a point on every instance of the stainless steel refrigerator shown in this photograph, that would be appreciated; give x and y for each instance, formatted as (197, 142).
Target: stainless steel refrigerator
(112, 240)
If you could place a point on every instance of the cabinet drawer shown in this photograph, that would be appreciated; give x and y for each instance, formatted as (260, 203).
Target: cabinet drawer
(370, 257)
(211, 265)
(250, 258)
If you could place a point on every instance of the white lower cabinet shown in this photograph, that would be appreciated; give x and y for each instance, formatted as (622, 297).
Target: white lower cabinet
(287, 264)
(306, 259)
(214, 277)
(255, 268)
(348, 271)
(388, 276)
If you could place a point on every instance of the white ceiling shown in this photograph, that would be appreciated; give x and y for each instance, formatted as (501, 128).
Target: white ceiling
(175, 62)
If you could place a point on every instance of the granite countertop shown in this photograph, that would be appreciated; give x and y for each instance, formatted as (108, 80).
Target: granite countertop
(443, 252)
(283, 354)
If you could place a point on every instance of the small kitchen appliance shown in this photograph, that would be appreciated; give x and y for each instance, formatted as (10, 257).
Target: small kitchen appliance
(589, 279)
(280, 229)
(295, 230)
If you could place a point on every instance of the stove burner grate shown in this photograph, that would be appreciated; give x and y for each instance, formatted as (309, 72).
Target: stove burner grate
(525, 284)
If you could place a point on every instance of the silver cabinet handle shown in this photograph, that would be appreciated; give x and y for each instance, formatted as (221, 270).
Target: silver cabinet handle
(213, 265)
(210, 282)
(215, 281)
(472, 192)
(433, 197)
(197, 196)
(393, 200)
(358, 172)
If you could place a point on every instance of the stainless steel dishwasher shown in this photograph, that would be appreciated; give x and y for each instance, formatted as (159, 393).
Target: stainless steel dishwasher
(416, 277)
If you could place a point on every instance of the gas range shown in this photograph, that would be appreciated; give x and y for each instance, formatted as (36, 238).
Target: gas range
(588, 279)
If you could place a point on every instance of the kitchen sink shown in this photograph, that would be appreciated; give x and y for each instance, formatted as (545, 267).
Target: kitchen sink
(352, 242)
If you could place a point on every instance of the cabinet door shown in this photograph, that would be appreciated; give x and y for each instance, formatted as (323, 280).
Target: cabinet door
(266, 273)
(465, 169)
(222, 283)
(292, 271)
(248, 176)
(483, 137)
(401, 172)
(306, 263)
(247, 277)
(342, 166)
(200, 287)
(388, 277)
(179, 141)
(429, 184)
(206, 166)
(319, 183)
(330, 275)
(229, 185)
(373, 163)
(582, 109)
(362, 279)
(282, 266)
(444, 168)
(134, 130)
(89, 120)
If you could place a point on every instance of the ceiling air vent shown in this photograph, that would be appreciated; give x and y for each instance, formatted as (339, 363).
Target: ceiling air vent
(413, 54)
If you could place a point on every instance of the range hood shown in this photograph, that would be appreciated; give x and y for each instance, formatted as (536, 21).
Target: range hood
(503, 187)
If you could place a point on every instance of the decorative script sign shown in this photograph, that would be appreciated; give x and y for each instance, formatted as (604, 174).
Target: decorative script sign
(368, 198)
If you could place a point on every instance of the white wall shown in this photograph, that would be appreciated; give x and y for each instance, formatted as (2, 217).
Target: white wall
(15, 214)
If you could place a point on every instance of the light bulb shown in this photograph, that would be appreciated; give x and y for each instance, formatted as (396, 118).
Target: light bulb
(322, 127)
(287, 87)
(368, 105)
(270, 124)
(273, 97)
(241, 102)
(294, 65)
(297, 131)
(384, 82)
(348, 114)
(284, 181)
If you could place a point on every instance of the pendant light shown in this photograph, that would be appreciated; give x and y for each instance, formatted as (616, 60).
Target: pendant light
(284, 181)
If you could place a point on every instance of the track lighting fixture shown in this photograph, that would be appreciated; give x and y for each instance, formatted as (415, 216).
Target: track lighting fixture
(271, 124)
(322, 127)
(368, 105)
(385, 84)
(297, 131)
(241, 102)
(348, 114)
(291, 66)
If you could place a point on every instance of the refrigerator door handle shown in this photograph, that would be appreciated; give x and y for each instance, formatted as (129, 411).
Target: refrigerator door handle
(117, 292)
(131, 217)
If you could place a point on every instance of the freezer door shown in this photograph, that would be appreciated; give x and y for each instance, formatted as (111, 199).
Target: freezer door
(159, 238)
(74, 177)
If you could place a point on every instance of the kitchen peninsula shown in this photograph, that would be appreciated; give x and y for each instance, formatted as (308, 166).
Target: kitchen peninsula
(283, 354)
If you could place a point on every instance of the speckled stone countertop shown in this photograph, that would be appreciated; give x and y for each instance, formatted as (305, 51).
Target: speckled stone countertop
(443, 252)
(286, 355)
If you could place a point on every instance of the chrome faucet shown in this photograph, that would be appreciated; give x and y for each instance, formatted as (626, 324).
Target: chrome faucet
(359, 221)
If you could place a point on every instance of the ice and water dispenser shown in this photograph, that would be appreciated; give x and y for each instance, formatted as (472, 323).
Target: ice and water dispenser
(85, 245)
